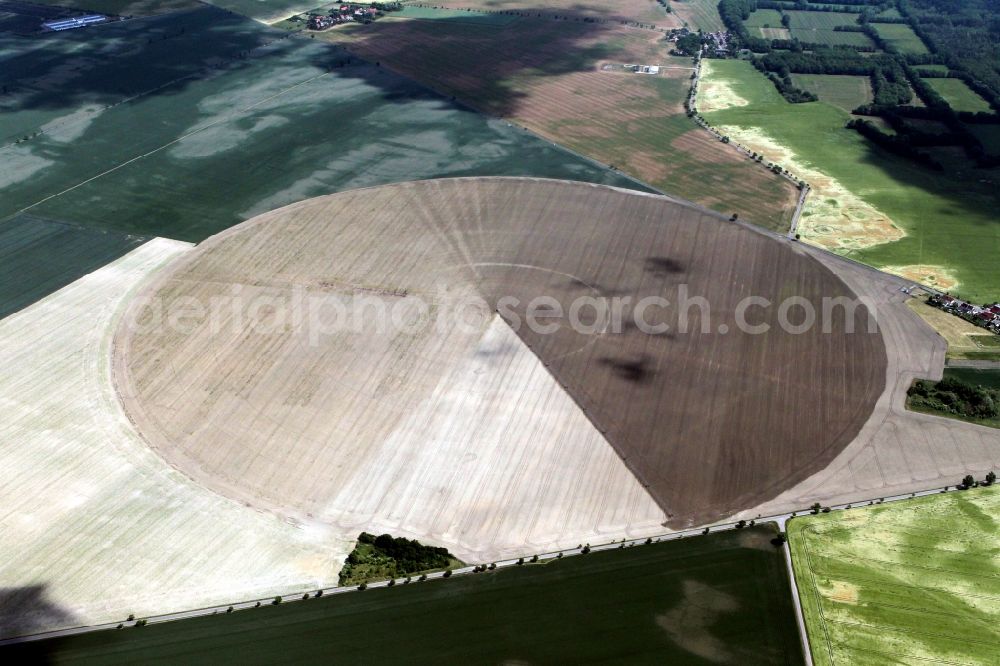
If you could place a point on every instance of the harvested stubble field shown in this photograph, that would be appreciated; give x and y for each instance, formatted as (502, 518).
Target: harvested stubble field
(723, 598)
(255, 120)
(897, 451)
(640, 11)
(95, 525)
(907, 582)
(546, 76)
(963, 337)
(430, 434)
(698, 14)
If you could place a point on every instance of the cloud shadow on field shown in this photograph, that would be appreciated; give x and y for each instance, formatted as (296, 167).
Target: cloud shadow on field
(634, 371)
(108, 63)
(483, 65)
(26, 610)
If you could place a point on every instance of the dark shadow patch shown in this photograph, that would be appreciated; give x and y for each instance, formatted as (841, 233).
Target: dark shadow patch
(26, 610)
(636, 371)
(663, 266)
(40, 256)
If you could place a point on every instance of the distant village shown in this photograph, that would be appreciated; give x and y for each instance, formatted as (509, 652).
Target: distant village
(709, 44)
(348, 13)
(987, 316)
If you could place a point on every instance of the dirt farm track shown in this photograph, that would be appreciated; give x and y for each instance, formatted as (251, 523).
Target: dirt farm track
(402, 425)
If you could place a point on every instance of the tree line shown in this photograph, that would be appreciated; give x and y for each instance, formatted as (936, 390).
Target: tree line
(894, 78)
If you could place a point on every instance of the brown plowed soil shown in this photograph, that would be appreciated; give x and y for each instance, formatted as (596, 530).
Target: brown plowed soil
(710, 423)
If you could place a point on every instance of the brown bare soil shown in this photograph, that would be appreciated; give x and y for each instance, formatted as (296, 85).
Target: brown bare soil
(546, 76)
(708, 422)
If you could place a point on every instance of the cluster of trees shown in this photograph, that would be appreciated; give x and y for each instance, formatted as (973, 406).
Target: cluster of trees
(894, 143)
(734, 13)
(890, 83)
(392, 556)
(953, 396)
(942, 25)
(689, 44)
(969, 481)
(782, 78)
(966, 35)
(803, 6)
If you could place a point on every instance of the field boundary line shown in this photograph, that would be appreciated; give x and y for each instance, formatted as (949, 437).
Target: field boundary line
(227, 119)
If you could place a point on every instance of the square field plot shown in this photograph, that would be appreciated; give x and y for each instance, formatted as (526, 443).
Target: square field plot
(901, 36)
(907, 582)
(818, 28)
(959, 95)
(845, 92)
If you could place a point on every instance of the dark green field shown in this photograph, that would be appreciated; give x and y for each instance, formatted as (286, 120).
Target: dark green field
(718, 599)
(975, 377)
(39, 256)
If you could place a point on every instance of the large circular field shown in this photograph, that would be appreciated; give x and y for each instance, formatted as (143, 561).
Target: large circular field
(304, 360)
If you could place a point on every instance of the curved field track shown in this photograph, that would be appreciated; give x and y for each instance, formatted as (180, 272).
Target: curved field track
(343, 358)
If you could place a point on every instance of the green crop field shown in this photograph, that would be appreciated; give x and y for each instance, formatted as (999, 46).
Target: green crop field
(818, 28)
(975, 376)
(949, 220)
(770, 18)
(891, 13)
(820, 20)
(844, 92)
(901, 36)
(290, 120)
(958, 95)
(908, 582)
(723, 598)
(39, 256)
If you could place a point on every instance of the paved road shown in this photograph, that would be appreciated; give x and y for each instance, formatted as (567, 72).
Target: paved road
(803, 193)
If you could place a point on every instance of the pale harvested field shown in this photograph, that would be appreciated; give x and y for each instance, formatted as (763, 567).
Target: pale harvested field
(95, 525)
(462, 436)
(960, 335)
(546, 76)
(698, 14)
(897, 451)
(641, 11)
